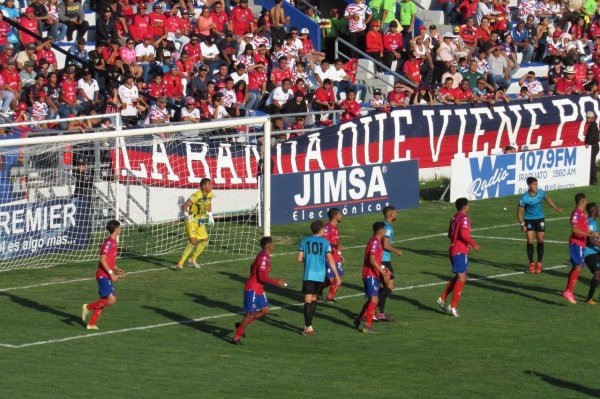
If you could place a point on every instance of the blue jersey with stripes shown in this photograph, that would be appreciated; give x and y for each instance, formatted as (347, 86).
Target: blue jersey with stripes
(389, 233)
(533, 205)
(590, 248)
(315, 249)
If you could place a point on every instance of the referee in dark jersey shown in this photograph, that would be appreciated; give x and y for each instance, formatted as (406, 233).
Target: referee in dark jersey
(591, 140)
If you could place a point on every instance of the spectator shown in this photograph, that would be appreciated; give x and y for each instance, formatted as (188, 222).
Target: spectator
(106, 26)
(6, 97)
(227, 48)
(88, 93)
(12, 81)
(422, 96)
(200, 80)
(467, 9)
(190, 113)
(297, 106)
(141, 23)
(483, 10)
(81, 54)
(53, 94)
(464, 93)
(339, 28)
(221, 20)
(523, 41)
(384, 11)
(129, 95)
(392, 46)
(591, 140)
(408, 13)
(341, 80)
(44, 20)
(358, 16)
(239, 74)
(128, 55)
(30, 22)
(282, 72)
(448, 92)
(483, 92)
(454, 74)
(412, 68)
(499, 68)
(290, 50)
(567, 84)
(472, 75)
(145, 56)
(173, 85)
(400, 95)
(44, 51)
(378, 102)
(210, 53)
(179, 28)
(158, 22)
(70, 13)
(533, 86)
(350, 105)
(374, 42)
(242, 19)
(542, 32)
(68, 94)
(278, 21)
(444, 56)
(27, 74)
(468, 34)
(217, 110)
(257, 86)
(40, 109)
(509, 51)
(28, 54)
(279, 96)
(158, 112)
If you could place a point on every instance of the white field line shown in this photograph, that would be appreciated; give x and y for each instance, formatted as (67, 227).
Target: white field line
(520, 239)
(222, 315)
(249, 258)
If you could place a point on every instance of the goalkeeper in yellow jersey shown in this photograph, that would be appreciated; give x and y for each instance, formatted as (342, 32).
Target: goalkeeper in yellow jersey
(198, 213)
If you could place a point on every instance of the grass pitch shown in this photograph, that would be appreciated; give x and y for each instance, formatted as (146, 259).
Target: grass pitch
(167, 335)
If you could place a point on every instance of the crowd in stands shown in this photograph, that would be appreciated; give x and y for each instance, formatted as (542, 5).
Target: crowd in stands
(170, 61)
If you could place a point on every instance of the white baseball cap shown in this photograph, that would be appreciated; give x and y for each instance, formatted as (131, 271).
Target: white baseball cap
(304, 31)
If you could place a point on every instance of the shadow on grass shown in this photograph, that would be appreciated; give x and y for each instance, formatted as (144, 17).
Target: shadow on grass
(67, 318)
(472, 260)
(201, 325)
(509, 287)
(573, 386)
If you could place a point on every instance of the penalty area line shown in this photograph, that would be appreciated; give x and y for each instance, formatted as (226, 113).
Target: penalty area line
(223, 315)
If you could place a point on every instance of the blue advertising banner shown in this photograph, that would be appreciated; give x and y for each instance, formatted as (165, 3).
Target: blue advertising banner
(502, 175)
(52, 226)
(299, 197)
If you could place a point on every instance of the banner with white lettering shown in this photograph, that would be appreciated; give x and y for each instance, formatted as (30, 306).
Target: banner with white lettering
(436, 135)
(502, 175)
(299, 197)
(39, 228)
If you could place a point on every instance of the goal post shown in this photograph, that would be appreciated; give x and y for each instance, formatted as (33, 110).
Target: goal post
(57, 192)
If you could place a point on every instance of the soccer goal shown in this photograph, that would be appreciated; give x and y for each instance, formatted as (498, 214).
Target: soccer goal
(57, 192)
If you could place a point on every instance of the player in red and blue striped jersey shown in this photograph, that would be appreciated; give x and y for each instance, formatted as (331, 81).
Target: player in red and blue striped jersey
(461, 244)
(332, 234)
(577, 243)
(105, 275)
(256, 304)
(372, 270)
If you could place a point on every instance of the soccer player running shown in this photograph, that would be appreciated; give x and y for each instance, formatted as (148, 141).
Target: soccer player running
(315, 253)
(530, 215)
(105, 275)
(461, 244)
(256, 304)
(198, 213)
(591, 251)
(577, 242)
(372, 270)
(332, 234)
(389, 214)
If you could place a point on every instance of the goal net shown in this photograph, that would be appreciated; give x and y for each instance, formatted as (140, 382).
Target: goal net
(57, 193)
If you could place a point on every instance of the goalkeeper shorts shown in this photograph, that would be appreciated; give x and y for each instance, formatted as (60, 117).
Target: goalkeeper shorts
(195, 230)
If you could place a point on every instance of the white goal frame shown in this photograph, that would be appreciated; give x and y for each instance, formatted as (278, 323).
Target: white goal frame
(118, 132)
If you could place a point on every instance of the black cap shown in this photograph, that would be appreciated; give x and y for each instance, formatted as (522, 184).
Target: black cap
(377, 92)
(81, 40)
(432, 27)
(107, 9)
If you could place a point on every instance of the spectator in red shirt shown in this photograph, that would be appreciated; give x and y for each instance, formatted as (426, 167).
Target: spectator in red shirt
(281, 72)
(157, 88)
(193, 50)
(447, 93)
(468, 33)
(5, 31)
(567, 84)
(325, 97)
(398, 97)
(467, 9)
(173, 87)
(141, 24)
(12, 81)
(44, 50)
(350, 106)
(30, 22)
(412, 68)
(464, 93)
(375, 43)
(392, 46)
(158, 22)
(242, 19)
(257, 85)
(221, 20)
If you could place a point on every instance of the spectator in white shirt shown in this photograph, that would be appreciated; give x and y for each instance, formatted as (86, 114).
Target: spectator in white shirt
(88, 93)
(145, 55)
(190, 113)
(128, 94)
(323, 71)
(239, 74)
(279, 96)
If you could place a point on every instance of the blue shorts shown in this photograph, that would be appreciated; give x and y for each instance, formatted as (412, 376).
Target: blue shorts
(105, 287)
(371, 286)
(340, 270)
(254, 302)
(460, 263)
(576, 253)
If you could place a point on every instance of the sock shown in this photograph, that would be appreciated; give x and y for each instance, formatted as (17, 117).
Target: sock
(240, 330)
(363, 312)
(383, 294)
(199, 249)
(458, 287)
(448, 289)
(313, 311)
(186, 252)
(530, 252)
(593, 286)
(370, 313)
(573, 276)
(96, 316)
(326, 284)
(540, 251)
(102, 302)
(307, 314)
(332, 291)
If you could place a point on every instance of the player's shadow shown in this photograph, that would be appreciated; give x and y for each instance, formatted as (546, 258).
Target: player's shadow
(212, 303)
(67, 318)
(200, 325)
(416, 304)
(507, 287)
(147, 259)
(291, 294)
(573, 386)
(473, 260)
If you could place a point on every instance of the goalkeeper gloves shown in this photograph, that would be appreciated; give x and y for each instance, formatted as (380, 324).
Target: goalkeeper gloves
(189, 217)
(211, 220)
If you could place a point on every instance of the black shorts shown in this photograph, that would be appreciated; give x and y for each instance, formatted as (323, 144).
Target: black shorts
(311, 287)
(388, 265)
(536, 225)
(592, 262)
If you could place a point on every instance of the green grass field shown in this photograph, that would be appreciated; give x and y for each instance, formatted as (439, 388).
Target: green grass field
(168, 334)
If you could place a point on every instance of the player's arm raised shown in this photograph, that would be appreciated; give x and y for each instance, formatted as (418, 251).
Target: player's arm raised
(107, 269)
(333, 267)
(552, 205)
(390, 248)
(520, 218)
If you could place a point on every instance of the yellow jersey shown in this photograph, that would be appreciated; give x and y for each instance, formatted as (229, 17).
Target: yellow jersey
(200, 204)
